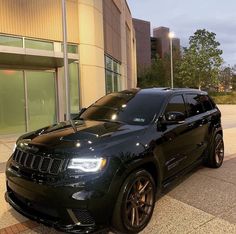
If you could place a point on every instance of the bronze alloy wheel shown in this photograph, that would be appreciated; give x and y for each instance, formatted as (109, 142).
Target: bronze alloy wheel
(135, 203)
(219, 152)
(216, 154)
(139, 202)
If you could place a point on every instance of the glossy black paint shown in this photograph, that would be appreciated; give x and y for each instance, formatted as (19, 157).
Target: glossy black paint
(165, 150)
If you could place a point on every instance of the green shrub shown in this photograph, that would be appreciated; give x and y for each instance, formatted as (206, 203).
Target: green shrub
(224, 98)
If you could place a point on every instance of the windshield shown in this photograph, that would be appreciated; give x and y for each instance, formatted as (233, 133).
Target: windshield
(133, 108)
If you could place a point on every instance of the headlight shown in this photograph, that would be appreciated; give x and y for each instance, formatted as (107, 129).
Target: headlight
(87, 164)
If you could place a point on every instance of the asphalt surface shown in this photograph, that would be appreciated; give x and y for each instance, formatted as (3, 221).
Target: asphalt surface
(204, 201)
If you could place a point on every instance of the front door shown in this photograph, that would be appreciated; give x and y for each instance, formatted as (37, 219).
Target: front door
(176, 138)
(27, 100)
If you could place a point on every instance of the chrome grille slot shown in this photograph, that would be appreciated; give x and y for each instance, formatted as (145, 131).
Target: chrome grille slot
(18, 156)
(45, 164)
(38, 162)
(29, 160)
(23, 158)
(56, 164)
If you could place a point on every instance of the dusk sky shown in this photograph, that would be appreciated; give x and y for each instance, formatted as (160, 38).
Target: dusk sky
(186, 16)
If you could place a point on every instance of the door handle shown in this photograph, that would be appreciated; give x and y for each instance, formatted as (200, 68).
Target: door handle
(190, 125)
(205, 121)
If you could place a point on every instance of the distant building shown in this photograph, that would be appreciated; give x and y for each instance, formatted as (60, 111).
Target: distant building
(163, 41)
(147, 47)
(143, 43)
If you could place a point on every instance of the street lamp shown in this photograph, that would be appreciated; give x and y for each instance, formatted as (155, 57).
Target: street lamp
(171, 36)
(65, 56)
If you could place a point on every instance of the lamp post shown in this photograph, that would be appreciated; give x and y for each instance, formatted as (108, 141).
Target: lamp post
(171, 36)
(65, 57)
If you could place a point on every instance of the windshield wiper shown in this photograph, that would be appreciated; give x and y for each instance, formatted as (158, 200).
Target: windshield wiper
(73, 125)
(109, 120)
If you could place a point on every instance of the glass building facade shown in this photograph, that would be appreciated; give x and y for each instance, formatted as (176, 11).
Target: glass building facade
(29, 97)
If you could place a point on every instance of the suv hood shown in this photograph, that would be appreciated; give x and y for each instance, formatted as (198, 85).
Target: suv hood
(84, 133)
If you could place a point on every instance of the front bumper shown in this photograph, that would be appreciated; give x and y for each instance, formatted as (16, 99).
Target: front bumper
(44, 219)
(54, 205)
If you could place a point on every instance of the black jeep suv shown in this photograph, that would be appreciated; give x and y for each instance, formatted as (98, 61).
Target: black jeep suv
(107, 165)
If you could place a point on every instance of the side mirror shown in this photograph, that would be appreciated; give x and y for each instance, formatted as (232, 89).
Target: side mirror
(174, 118)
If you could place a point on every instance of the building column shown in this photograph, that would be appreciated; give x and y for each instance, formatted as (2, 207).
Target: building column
(91, 51)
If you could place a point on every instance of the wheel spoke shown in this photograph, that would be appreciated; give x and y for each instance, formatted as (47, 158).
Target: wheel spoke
(137, 216)
(145, 203)
(144, 187)
(133, 216)
(147, 191)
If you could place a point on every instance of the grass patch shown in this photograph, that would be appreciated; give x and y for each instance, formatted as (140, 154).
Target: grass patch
(224, 98)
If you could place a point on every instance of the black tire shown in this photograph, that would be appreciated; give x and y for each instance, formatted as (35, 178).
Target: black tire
(216, 154)
(135, 203)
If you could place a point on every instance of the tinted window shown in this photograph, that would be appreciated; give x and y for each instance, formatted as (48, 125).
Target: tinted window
(194, 104)
(206, 103)
(131, 108)
(176, 104)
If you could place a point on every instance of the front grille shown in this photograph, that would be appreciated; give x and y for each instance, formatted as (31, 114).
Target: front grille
(39, 163)
(83, 216)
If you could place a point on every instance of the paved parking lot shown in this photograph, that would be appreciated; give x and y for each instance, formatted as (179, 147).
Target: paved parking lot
(204, 201)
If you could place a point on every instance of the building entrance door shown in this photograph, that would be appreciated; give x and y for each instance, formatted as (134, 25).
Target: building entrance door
(41, 99)
(12, 102)
(27, 100)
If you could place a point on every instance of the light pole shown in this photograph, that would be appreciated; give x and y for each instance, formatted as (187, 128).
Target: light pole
(171, 36)
(65, 56)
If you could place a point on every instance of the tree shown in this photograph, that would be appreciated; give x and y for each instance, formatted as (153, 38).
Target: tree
(225, 78)
(158, 74)
(153, 76)
(234, 78)
(201, 62)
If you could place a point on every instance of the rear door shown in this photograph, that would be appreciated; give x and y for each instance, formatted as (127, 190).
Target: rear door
(198, 120)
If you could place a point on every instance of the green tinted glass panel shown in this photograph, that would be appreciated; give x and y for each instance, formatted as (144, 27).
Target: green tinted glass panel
(73, 49)
(116, 84)
(11, 41)
(116, 67)
(39, 45)
(12, 102)
(41, 99)
(74, 87)
(109, 82)
(108, 62)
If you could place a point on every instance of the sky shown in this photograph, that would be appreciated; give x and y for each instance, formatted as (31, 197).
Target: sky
(184, 17)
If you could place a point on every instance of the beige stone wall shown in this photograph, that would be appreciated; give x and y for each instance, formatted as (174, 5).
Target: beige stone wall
(128, 49)
(91, 49)
(39, 19)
